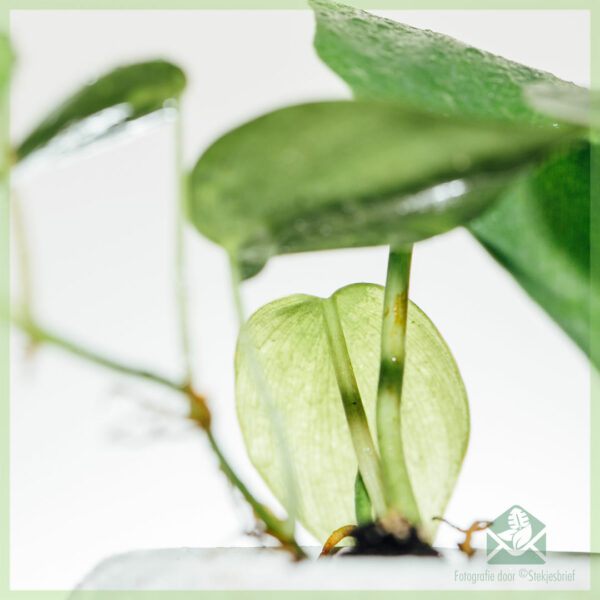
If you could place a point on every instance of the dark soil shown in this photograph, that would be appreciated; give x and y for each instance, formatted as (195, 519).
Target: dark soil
(372, 539)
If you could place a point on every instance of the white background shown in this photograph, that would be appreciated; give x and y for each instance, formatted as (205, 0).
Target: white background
(92, 471)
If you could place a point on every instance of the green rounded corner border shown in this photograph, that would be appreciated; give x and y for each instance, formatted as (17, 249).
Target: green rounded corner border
(5, 593)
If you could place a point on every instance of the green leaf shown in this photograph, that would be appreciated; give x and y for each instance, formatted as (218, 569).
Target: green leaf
(379, 58)
(540, 231)
(119, 97)
(292, 346)
(346, 174)
(569, 104)
(540, 228)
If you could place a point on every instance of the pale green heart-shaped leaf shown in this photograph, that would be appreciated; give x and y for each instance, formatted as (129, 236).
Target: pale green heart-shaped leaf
(119, 97)
(291, 342)
(532, 228)
(342, 174)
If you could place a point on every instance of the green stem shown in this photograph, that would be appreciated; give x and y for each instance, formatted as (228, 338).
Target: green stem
(39, 334)
(398, 489)
(362, 502)
(236, 291)
(364, 447)
(180, 263)
(249, 349)
(274, 526)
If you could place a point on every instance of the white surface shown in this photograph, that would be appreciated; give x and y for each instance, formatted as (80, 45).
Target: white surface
(93, 473)
(256, 569)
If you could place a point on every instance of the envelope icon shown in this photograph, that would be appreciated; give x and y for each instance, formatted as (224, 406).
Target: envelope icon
(516, 538)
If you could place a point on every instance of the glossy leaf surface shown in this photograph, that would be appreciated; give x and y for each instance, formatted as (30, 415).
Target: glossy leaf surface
(382, 59)
(125, 94)
(540, 231)
(346, 174)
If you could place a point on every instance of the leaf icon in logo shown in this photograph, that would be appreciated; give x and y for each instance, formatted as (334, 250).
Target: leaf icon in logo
(518, 519)
(520, 529)
(507, 535)
(521, 537)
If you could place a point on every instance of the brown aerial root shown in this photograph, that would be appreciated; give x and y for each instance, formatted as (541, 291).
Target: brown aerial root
(466, 545)
(199, 411)
(335, 538)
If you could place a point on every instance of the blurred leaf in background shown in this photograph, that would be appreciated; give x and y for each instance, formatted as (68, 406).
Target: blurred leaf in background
(345, 174)
(567, 103)
(383, 59)
(117, 98)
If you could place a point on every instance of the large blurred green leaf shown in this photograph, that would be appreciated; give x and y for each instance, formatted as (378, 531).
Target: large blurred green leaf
(121, 96)
(569, 104)
(551, 211)
(293, 350)
(342, 174)
(383, 59)
(540, 228)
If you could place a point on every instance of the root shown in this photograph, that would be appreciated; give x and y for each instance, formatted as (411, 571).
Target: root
(335, 538)
(466, 545)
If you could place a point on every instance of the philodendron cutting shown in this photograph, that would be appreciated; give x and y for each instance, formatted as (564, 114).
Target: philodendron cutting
(352, 407)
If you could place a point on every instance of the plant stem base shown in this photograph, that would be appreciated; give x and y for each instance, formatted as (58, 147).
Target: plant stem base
(374, 540)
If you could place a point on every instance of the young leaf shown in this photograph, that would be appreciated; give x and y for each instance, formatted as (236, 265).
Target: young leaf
(122, 95)
(533, 228)
(292, 345)
(342, 174)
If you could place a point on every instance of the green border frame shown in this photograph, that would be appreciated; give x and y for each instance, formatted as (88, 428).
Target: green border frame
(5, 593)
